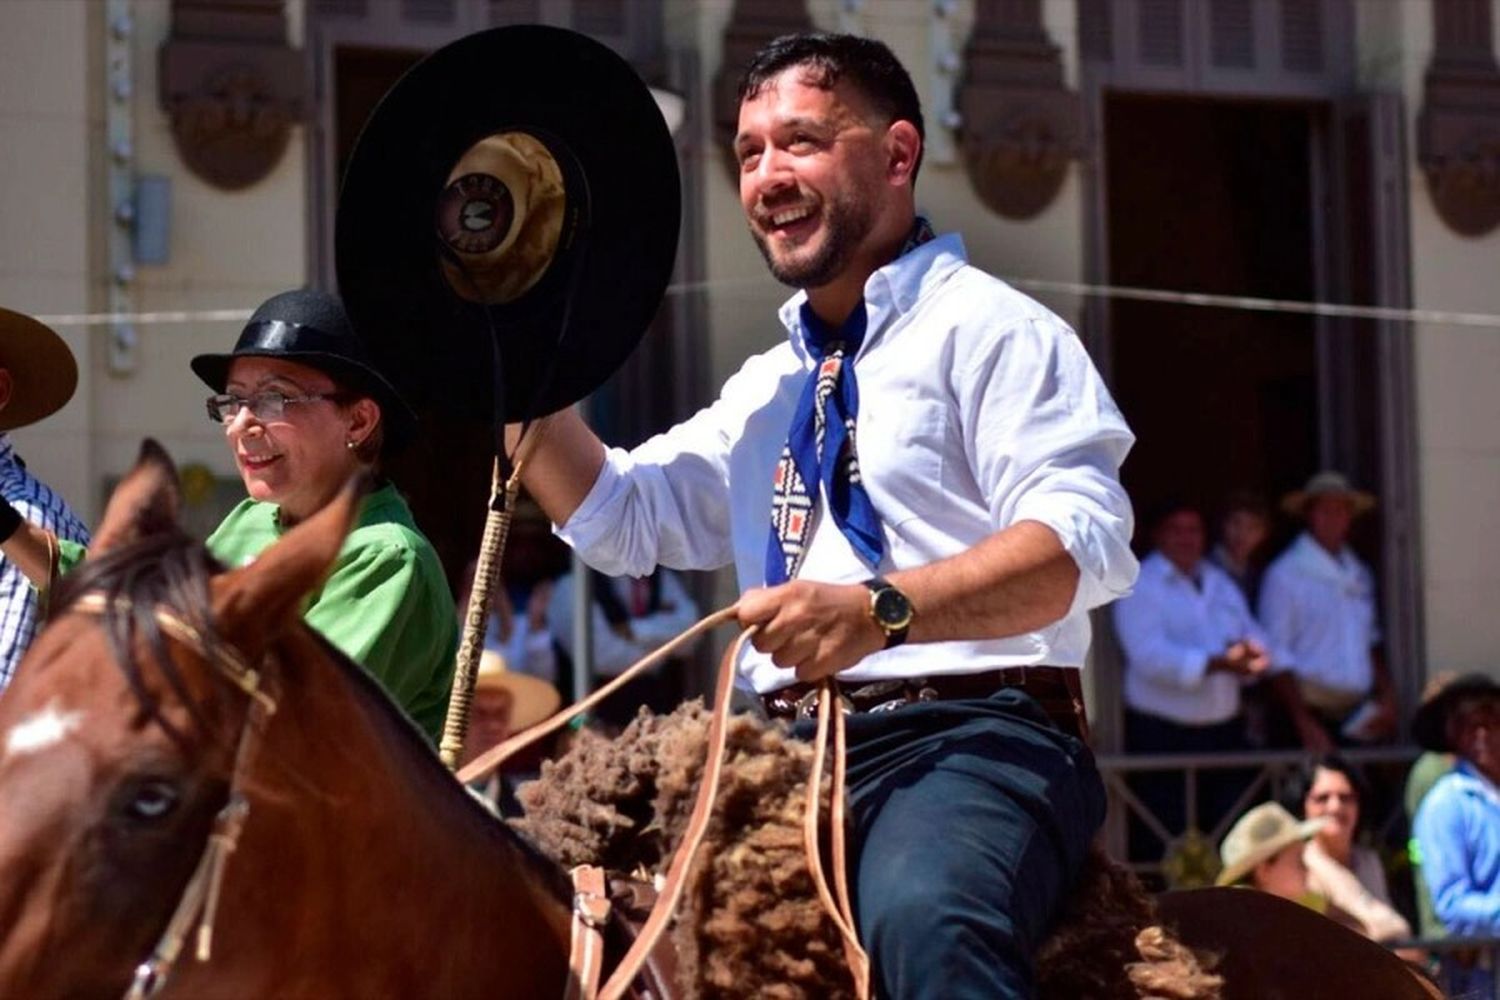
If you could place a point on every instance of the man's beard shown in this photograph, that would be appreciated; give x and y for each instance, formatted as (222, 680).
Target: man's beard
(847, 224)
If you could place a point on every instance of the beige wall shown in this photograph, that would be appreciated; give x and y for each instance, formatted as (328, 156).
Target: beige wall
(227, 250)
(1458, 413)
(51, 124)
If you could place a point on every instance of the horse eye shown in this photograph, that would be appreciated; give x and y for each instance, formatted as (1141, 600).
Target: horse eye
(152, 800)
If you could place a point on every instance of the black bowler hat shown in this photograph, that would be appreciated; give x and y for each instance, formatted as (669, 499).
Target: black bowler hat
(515, 193)
(309, 327)
(1429, 725)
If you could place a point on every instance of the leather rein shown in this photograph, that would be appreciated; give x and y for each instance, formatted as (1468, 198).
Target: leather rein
(591, 904)
(199, 902)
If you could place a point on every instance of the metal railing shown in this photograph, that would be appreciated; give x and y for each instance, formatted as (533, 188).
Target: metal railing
(1464, 967)
(1272, 770)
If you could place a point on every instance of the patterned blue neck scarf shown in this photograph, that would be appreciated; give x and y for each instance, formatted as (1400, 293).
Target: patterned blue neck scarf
(820, 452)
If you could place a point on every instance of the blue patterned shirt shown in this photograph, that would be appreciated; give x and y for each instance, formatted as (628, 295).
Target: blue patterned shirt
(18, 601)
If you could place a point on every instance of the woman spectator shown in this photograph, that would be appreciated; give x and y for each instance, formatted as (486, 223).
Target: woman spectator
(1264, 850)
(304, 411)
(1348, 874)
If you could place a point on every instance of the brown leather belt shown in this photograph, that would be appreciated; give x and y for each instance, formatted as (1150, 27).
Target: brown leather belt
(1057, 689)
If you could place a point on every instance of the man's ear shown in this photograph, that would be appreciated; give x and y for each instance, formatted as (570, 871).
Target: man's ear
(903, 149)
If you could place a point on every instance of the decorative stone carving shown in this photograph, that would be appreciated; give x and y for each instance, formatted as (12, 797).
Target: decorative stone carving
(752, 24)
(1458, 129)
(1020, 126)
(232, 87)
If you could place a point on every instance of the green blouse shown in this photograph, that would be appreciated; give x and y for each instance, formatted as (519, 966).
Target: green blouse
(385, 604)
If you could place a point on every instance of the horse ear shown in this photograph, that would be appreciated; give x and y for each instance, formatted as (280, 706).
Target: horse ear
(145, 502)
(259, 601)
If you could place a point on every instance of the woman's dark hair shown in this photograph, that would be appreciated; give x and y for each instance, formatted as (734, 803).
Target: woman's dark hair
(1295, 790)
(869, 65)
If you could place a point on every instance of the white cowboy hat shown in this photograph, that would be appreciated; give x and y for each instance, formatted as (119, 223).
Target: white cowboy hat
(533, 699)
(1326, 483)
(1258, 836)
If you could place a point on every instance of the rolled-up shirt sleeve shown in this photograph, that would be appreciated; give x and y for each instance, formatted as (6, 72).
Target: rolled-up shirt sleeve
(666, 502)
(1046, 442)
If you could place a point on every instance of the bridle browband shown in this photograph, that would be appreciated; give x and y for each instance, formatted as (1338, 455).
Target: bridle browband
(199, 901)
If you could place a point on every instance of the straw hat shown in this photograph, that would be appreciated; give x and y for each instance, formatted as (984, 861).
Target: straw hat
(532, 699)
(1326, 483)
(43, 372)
(1258, 835)
(1429, 726)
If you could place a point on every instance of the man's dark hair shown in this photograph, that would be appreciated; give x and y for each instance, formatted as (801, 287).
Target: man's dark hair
(869, 65)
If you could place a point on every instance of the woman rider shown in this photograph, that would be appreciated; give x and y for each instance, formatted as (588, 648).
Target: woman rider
(304, 410)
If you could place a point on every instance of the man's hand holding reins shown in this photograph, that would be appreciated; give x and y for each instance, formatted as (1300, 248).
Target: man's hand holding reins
(818, 628)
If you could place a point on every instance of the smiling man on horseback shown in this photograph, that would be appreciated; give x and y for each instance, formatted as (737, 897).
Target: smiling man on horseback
(943, 568)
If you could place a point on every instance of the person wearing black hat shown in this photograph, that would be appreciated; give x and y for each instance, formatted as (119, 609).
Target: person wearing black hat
(37, 376)
(1457, 826)
(304, 411)
(944, 566)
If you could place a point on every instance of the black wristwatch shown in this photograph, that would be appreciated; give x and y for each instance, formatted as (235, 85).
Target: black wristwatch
(891, 610)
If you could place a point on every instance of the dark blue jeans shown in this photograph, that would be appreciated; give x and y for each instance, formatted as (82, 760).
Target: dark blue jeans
(969, 822)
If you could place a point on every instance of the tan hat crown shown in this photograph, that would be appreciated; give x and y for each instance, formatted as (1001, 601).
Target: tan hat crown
(1258, 836)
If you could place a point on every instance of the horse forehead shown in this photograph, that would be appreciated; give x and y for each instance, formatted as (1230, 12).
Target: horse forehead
(42, 729)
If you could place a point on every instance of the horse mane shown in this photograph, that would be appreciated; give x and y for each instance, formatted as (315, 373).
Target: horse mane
(169, 568)
(165, 568)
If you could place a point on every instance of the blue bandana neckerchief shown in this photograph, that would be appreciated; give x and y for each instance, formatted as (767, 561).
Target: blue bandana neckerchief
(820, 446)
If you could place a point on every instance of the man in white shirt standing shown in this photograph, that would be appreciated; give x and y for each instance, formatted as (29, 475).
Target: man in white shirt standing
(1318, 606)
(1190, 646)
(943, 568)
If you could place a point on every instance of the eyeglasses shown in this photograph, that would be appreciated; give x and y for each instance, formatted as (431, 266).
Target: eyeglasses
(265, 406)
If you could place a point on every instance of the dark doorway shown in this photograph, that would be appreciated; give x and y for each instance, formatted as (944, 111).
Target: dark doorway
(1212, 196)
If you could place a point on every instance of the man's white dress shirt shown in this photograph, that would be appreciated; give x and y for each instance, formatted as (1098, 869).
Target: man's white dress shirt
(1169, 628)
(978, 408)
(1319, 610)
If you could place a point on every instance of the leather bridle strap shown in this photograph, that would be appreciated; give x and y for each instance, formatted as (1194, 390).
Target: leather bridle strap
(839, 910)
(591, 911)
(199, 902)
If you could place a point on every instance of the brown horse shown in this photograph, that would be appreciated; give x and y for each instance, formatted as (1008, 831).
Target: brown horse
(364, 869)
(140, 722)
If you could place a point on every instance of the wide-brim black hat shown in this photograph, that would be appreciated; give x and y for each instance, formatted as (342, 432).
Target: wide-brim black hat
(516, 189)
(1429, 725)
(310, 328)
(42, 370)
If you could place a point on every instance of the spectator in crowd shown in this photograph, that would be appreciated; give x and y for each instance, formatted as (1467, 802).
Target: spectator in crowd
(1244, 526)
(1458, 824)
(1350, 875)
(37, 377)
(632, 616)
(1318, 606)
(1264, 850)
(1425, 772)
(505, 703)
(1190, 644)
